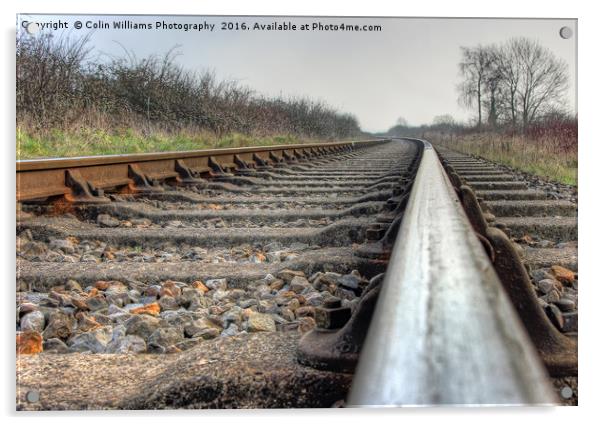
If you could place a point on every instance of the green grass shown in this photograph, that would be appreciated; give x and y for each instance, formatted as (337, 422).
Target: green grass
(540, 157)
(57, 143)
(550, 168)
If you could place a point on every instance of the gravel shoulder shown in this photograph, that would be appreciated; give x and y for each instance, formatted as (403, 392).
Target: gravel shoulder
(245, 371)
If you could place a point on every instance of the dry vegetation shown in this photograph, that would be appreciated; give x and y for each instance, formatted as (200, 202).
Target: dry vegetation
(520, 86)
(517, 90)
(70, 102)
(547, 149)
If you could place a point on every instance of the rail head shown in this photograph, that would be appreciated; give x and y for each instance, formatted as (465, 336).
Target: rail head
(444, 331)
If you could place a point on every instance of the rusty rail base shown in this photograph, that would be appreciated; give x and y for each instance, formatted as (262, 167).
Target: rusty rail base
(84, 179)
(558, 352)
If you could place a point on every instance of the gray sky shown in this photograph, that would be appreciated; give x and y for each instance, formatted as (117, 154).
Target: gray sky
(407, 69)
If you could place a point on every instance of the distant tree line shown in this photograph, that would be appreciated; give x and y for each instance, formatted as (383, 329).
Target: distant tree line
(562, 128)
(442, 123)
(60, 85)
(517, 83)
(516, 86)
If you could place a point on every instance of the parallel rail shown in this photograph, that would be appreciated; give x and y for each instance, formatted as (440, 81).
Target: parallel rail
(43, 178)
(444, 331)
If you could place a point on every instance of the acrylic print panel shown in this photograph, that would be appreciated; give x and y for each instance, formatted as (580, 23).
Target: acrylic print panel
(219, 212)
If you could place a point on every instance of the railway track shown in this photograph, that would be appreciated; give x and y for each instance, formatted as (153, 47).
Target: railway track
(541, 220)
(251, 278)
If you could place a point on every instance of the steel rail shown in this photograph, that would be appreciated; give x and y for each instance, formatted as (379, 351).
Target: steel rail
(444, 331)
(86, 161)
(42, 178)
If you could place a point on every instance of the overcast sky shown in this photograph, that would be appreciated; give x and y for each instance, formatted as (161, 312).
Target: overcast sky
(408, 69)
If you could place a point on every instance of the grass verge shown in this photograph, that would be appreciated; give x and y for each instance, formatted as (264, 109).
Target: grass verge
(57, 143)
(544, 157)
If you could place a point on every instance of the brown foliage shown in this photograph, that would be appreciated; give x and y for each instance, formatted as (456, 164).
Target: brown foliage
(59, 86)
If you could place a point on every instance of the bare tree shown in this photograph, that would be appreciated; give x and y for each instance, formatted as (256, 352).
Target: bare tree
(493, 84)
(507, 62)
(543, 79)
(474, 67)
(400, 128)
(519, 80)
(401, 122)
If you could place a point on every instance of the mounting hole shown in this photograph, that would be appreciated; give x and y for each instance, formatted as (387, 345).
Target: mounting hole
(32, 396)
(566, 392)
(32, 28)
(566, 32)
